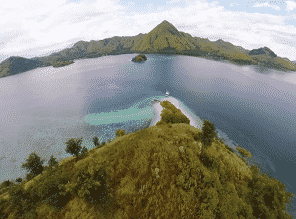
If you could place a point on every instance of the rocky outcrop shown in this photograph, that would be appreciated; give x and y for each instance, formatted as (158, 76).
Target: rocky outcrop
(139, 58)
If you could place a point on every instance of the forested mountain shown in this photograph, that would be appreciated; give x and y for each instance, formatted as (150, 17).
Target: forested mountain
(163, 39)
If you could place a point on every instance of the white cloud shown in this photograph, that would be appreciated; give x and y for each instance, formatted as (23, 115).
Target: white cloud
(233, 4)
(173, 1)
(52, 24)
(290, 6)
(36, 29)
(257, 5)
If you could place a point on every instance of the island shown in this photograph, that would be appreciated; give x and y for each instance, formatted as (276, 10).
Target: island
(163, 39)
(139, 58)
(62, 63)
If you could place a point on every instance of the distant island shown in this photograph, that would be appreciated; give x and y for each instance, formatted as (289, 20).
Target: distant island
(62, 63)
(139, 58)
(163, 39)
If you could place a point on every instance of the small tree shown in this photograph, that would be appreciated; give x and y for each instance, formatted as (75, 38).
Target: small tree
(19, 179)
(33, 164)
(244, 153)
(5, 185)
(84, 152)
(52, 161)
(96, 141)
(74, 146)
(120, 132)
(29, 176)
(208, 133)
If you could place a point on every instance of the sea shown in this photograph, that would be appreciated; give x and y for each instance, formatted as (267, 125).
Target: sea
(251, 106)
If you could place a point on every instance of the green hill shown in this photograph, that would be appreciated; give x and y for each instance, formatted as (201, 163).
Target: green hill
(170, 170)
(163, 39)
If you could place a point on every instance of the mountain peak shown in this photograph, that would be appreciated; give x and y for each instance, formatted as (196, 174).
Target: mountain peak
(164, 28)
(165, 22)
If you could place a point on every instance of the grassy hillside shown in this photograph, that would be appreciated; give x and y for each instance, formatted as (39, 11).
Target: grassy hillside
(170, 170)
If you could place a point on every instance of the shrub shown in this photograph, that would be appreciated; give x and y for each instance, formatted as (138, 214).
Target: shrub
(49, 190)
(229, 148)
(20, 200)
(3, 206)
(197, 136)
(56, 197)
(206, 159)
(6, 183)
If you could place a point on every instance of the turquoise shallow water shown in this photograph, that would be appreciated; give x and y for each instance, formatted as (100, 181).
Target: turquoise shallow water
(140, 111)
(139, 115)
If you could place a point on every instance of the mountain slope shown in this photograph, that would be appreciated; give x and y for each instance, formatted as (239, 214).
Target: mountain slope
(163, 39)
(164, 171)
(16, 64)
(263, 51)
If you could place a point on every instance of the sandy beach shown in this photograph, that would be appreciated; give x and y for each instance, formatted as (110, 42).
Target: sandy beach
(158, 108)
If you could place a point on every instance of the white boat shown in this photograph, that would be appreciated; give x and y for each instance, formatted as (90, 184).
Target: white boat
(167, 94)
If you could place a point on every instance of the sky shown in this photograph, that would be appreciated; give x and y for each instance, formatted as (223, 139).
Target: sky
(34, 28)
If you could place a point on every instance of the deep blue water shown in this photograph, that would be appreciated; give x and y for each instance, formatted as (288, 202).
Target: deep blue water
(42, 108)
